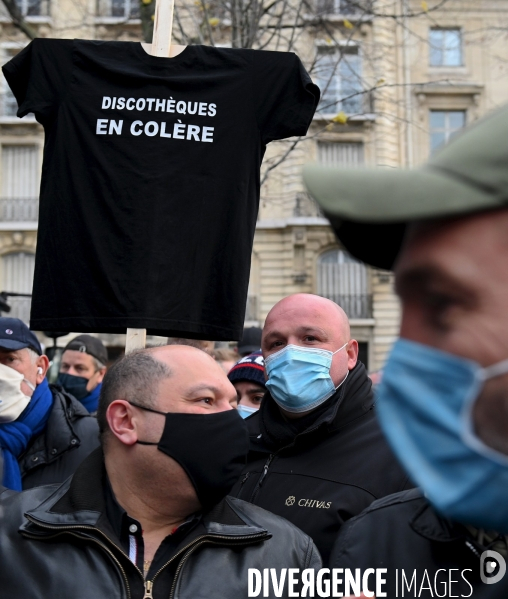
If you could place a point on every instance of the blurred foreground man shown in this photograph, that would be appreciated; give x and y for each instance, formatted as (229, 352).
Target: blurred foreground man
(82, 369)
(147, 515)
(443, 399)
(44, 433)
(317, 456)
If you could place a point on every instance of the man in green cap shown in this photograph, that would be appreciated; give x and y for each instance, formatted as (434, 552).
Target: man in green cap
(443, 401)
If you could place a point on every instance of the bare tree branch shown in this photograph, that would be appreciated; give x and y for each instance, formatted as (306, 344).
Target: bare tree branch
(18, 19)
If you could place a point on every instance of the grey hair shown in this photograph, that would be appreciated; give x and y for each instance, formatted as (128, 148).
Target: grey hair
(98, 365)
(135, 377)
(34, 356)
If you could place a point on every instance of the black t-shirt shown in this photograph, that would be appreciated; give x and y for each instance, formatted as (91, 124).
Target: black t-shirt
(150, 180)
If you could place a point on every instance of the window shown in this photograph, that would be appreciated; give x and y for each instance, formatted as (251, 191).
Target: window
(345, 281)
(445, 48)
(343, 7)
(338, 75)
(443, 124)
(123, 9)
(20, 183)
(340, 153)
(17, 277)
(33, 8)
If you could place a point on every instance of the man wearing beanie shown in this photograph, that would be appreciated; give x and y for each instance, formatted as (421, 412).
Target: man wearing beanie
(82, 369)
(248, 378)
(44, 433)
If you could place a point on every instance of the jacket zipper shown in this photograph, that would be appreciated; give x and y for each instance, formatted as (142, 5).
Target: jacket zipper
(148, 584)
(203, 541)
(108, 551)
(242, 482)
(262, 477)
(268, 462)
(148, 590)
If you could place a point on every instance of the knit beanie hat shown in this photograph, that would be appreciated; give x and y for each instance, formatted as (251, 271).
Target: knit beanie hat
(251, 368)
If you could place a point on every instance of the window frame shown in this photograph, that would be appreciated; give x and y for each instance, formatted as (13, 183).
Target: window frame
(338, 50)
(104, 9)
(448, 131)
(358, 305)
(442, 49)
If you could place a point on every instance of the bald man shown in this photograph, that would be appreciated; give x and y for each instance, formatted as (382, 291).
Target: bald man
(147, 514)
(317, 456)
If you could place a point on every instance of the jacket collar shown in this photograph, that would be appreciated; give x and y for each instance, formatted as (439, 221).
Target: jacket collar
(79, 502)
(351, 401)
(427, 523)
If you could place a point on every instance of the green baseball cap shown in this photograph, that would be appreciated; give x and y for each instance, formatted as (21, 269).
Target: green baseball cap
(370, 208)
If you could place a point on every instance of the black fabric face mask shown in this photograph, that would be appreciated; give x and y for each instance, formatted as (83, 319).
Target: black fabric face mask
(211, 448)
(75, 385)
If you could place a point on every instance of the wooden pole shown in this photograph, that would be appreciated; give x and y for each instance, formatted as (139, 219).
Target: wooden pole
(136, 339)
(161, 46)
(162, 28)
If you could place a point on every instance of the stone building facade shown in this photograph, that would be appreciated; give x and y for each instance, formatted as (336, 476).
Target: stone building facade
(398, 77)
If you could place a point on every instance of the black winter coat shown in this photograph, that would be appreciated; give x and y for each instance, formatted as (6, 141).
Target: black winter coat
(65, 548)
(329, 472)
(70, 435)
(402, 532)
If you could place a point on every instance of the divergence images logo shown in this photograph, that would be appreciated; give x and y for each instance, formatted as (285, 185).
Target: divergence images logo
(290, 500)
(492, 567)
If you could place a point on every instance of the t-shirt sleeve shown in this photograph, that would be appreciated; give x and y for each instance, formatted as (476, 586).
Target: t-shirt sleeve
(39, 76)
(286, 98)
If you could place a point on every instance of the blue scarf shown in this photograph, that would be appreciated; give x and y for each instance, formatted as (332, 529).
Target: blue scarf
(15, 436)
(91, 401)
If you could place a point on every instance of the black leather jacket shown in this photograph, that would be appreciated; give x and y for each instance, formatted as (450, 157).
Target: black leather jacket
(56, 545)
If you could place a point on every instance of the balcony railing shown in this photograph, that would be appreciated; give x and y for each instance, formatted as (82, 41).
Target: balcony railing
(120, 9)
(33, 8)
(19, 209)
(344, 7)
(352, 103)
(355, 306)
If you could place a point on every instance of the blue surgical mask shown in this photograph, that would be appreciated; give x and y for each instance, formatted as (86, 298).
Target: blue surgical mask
(425, 404)
(246, 411)
(299, 377)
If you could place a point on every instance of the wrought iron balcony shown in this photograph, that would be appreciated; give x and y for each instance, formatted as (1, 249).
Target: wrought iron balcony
(19, 209)
(344, 7)
(33, 8)
(355, 306)
(120, 9)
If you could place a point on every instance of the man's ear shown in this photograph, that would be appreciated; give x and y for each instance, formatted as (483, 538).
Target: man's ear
(352, 354)
(122, 421)
(42, 364)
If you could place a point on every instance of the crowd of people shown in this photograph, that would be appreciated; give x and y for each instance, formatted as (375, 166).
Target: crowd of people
(181, 468)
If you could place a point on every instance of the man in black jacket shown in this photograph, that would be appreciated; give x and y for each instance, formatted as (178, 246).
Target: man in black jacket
(317, 455)
(148, 516)
(44, 432)
(425, 555)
